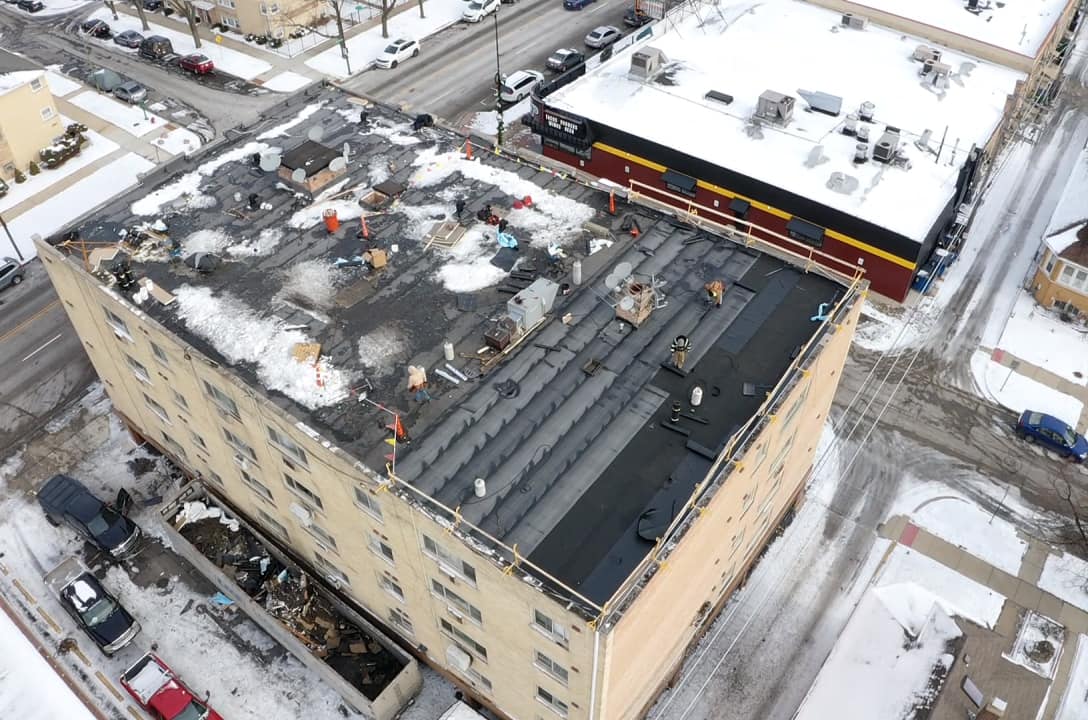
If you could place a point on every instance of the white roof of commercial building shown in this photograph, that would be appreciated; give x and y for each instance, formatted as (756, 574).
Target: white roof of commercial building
(1071, 213)
(745, 48)
(1016, 25)
(11, 80)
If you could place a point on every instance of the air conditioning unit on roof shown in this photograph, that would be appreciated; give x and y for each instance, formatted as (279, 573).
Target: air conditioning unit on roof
(646, 63)
(775, 107)
(856, 22)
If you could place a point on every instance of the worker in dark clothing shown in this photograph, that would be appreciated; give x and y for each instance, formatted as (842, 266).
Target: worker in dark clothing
(484, 213)
(680, 348)
(460, 207)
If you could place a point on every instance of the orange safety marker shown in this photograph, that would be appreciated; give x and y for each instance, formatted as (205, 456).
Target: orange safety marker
(468, 149)
(612, 202)
(366, 230)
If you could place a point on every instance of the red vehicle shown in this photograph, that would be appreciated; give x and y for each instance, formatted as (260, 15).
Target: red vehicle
(156, 688)
(197, 64)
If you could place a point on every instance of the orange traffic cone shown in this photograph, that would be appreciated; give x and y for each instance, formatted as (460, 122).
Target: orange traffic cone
(366, 230)
(468, 149)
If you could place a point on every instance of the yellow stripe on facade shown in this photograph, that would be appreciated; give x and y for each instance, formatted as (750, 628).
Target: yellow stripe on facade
(846, 239)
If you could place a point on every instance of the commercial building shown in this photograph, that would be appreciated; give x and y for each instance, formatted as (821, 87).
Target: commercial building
(858, 140)
(561, 511)
(29, 120)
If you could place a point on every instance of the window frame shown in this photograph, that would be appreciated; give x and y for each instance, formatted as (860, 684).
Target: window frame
(392, 587)
(463, 640)
(329, 570)
(258, 487)
(551, 668)
(138, 369)
(368, 504)
(445, 560)
(559, 637)
(221, 400)
(278, 529)
(284, 443)
(240, 445)
(304, 493)
(549, 700)
(377, 546)
(153, 405)
(458, 603)
(159, 354)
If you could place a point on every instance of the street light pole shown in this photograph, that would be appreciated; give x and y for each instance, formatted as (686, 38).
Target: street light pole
(498, 81)
(12, 240)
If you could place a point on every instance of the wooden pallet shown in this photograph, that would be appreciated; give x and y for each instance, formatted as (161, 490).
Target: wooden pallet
(445, 234)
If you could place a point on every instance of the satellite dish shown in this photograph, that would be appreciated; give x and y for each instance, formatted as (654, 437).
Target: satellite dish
(316, 133)
(299, 175)
(612, 282)
(338, 163)
(270, 161)
(347, 150)
(623, 269)
(627, 303)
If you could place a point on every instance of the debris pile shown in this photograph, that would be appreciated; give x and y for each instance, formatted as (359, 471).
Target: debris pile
(290, 596)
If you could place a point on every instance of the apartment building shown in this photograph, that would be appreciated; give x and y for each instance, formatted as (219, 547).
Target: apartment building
(29, 120)
(264, 17)
(1060, 280)
(564, 510)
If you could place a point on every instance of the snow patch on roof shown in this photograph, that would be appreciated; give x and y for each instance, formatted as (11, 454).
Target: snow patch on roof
(469, 266)
(240, 335)
(10, 467)
(189, 184)
(303, 116)
(210, 240)
(11, 80)
(264, 244)
(1072, 212)
(313, 282)
(381, 349)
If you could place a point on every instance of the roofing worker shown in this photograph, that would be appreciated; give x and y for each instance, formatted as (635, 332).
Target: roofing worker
(715, 291)
(417, 383)
(680, 348)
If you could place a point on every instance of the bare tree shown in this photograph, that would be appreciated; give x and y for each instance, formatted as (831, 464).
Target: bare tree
(185, 7)
(1072, 530)
(337, 7)
(387, 10)
(141, 11)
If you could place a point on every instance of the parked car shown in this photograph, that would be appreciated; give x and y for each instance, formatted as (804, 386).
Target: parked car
(66, 500)
(575, 4)
(128, 38)
(1049, 431)
(156, 47)
(11, 272)
(634, 17)
(155, 687)
(131, 92)
(477, 10)
(197, 64)
(31, 6)
(12, 2)
(564, 59)
(397, 52)
(152, 5)
(97, 612)
(603, 36)
(96, 28)
(518, 85)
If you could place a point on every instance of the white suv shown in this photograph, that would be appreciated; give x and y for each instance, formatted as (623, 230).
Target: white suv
(518, 85)
(477, 10)
(396, 52)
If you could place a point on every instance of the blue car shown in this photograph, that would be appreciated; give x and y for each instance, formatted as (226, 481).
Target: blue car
(575, 4)
(1052, 433)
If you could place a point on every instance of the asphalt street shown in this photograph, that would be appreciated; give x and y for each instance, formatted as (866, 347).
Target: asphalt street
(455, 73)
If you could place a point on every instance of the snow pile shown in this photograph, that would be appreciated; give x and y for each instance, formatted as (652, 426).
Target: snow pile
(29, 687)
(552, 218)
(193, 511)
(240, 335)
(885, 670)
(421, 217)
(1066, 576)
(1074, 704)
(380, 350)
(94, 401)
(1018, 392)
(1038, 645)
(1038, 336)
(910, 582)
(469, 266)
(189, 183)
(264, 244)
(212, 240)
(487, 123)
(312, 282)
(377, 169)
(303, 116)
(347, 206)
(396, 133)
(286, 81)
(10, 467)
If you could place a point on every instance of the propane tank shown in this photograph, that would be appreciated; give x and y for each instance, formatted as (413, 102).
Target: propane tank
(696, 396)
(576, 272)
(480, 487)
(447, 350)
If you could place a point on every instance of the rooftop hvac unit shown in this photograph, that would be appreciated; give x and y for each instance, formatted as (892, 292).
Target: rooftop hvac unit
(925, 52)
(646, 63)
(857, 22)
(458, 658)
(775, 107)
(887, 146)
(529, 306)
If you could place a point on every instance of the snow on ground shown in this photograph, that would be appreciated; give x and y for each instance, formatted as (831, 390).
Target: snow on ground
(1038, 644)
(487, 123)
(177, 141)
(1036, 335)
(130, 118)
(286, 82)
(552, 218)
(56, 7)
(1066, 576)
(61, 85)
(188, 185)
(29, 687)
(232, 62)
(381, 350)
(469, 266)
(366, 46)
(98, 147)
(302, 116)
(1074, 705)
(93, 401)
(241, 335)
(883, 671)
(1018, 392)
(911, 580)
(76, 200)
(10, 466)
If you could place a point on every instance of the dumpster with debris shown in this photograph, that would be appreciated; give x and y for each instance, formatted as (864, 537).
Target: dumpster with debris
(365, 666)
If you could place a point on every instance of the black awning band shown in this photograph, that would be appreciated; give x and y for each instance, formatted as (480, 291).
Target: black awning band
(684, 182)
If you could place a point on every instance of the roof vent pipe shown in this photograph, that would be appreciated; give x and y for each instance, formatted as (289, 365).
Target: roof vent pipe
(480, 487)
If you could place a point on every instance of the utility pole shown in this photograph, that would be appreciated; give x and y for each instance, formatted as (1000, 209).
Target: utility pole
(498, 81)
(12, 240)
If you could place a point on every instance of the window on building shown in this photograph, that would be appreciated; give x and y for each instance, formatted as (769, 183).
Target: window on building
(308, 495)
(229, 20)
(198, 440)
(138, 369)
(273, 525)
(36, 84)
(456, 601)
(478, 679)
(759, 455)
(321, 535)
(463, 639)
(180, 401)
(380, 549)
(783, 456)
(287, 445)
(449, 562)
(256, 486)
(1050, 260)
(47, 113)
(227, 4)
(222, 400)
(174, 445)
(117, 324)
(550, 666)
(215, 478)
(332, 572)
(400, 619)
(555, 704)
(154, 407)
(550, 628)
(1080, 280)
(737, 539)
(791, 414)
(391, 586)
(240, 445)
(160, 354)
(367, 503)
(746, 502)
(269, 8)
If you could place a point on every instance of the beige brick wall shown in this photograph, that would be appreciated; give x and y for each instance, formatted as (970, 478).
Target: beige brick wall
(289, 15)
(23, 129)
(1047, 290)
